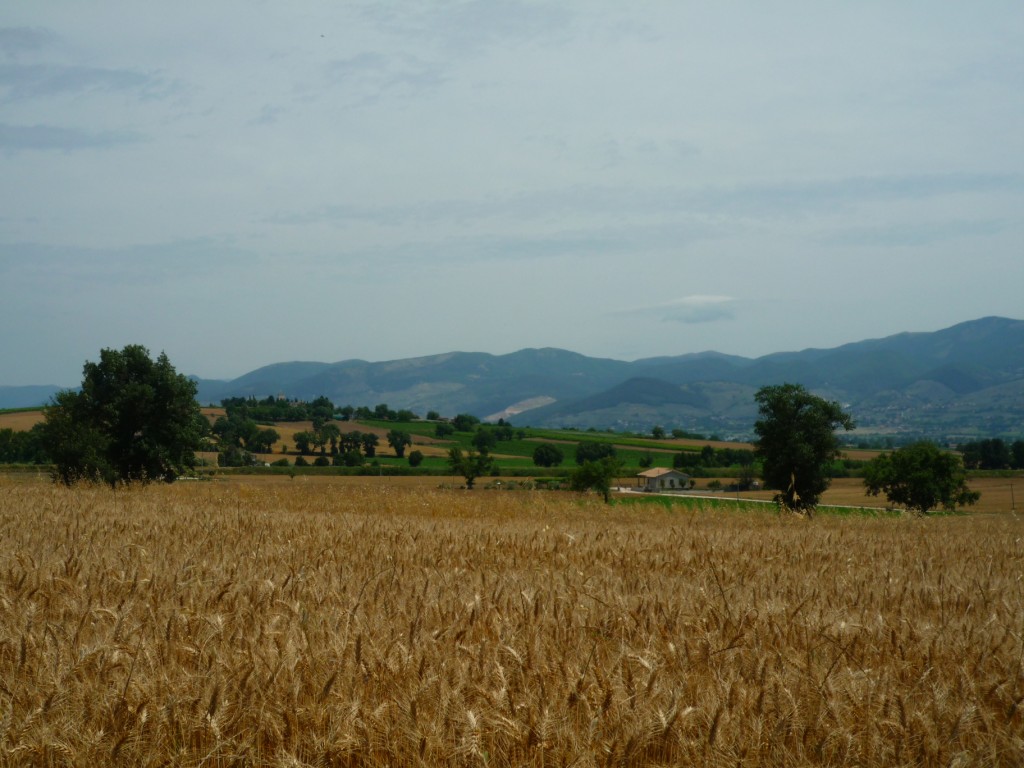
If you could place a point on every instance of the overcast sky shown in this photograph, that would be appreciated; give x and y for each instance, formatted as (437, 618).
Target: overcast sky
(243, 183)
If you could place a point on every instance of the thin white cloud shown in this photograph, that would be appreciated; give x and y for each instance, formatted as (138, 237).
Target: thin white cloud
(688, 310)
(914, 234)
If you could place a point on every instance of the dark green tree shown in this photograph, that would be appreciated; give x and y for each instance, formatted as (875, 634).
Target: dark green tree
(351, 441)
(919, 476)
(484, 439)
(796, 442)
(304, 442)
(686, 459)
(547, 455)
(351, 458)
(382, 413)
(321, 410)
(596, 475)
(658, 433)
(370, 442)
(134, 420)
(992, 453)
(591, 450)
(399, 441)
(329, 434)
(470, 465)
(443, 429)
(415, 458)
(707, 456)
(262, 441)
(1017, 452)
(465, 422)
(233, 456)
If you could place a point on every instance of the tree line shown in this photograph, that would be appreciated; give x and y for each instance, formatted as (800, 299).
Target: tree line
(992, 454)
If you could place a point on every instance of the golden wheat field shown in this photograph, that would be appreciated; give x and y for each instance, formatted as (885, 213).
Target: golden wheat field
(234, 624)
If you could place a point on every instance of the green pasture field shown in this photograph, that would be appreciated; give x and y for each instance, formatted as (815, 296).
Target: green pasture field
(613, 438)
(661, 453)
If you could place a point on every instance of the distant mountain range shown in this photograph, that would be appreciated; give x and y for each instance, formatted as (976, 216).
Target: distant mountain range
(963, 381)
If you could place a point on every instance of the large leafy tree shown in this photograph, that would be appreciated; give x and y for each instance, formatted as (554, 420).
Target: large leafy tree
(919, 476)
(134, 420)
(796, 443)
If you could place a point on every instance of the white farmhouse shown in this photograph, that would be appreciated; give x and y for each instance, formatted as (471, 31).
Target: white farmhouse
(662, 479)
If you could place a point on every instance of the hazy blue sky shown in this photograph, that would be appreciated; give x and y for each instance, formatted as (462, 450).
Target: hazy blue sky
(241, 183)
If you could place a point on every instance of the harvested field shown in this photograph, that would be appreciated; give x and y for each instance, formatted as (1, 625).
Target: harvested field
(20, 421)
(310, 624)
(998, 494)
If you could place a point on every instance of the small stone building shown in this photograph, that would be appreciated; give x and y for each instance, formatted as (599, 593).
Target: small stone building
(662, 479)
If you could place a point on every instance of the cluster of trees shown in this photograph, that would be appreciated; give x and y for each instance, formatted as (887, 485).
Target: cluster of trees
(475, 463)
(380, 413)
(993, 454)
(463, 422)
(278, 409)
(658, 433)
(238, 438)
(239, 434)
(711, 457)
(321, 409)
(346, 448)
(797, 443)
(23, 446)
(349, 448)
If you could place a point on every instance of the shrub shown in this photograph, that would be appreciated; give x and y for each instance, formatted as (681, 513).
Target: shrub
(547, 455)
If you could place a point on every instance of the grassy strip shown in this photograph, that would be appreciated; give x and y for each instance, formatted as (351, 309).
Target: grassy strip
(725, 504)
(612, 438)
